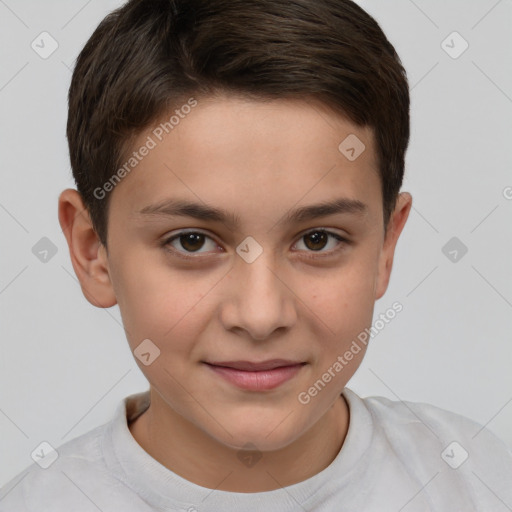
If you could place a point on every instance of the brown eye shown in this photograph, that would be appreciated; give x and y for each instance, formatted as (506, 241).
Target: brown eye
(192, 241)
(316, 240)
(320, 239)
(189, 242)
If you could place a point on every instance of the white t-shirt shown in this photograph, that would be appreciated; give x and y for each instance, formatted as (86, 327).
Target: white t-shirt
(397, 457)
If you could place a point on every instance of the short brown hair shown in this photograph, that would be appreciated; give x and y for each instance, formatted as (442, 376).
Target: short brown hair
(149, 55)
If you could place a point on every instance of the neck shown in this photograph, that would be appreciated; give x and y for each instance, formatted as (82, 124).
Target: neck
(191, 453)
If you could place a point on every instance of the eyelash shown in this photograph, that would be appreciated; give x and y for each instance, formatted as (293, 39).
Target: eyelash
(314, 255)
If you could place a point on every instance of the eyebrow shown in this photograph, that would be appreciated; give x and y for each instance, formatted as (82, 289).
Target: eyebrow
(182, 208)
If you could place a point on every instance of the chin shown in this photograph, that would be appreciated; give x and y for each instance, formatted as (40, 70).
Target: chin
(265, 437)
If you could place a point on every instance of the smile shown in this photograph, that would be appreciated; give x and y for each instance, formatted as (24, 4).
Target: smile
(256, 376)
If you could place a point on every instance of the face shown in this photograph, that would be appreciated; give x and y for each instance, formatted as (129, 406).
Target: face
(219, 252)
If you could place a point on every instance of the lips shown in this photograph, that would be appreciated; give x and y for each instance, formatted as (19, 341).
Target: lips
(255, 367)
(256, 376)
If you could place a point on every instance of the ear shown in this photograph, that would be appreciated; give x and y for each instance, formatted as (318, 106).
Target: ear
(395, 226)
(88, 254)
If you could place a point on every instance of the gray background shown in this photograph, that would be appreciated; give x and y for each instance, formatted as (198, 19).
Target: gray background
(64, 365)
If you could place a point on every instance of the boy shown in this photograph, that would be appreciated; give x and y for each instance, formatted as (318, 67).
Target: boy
(238, 165)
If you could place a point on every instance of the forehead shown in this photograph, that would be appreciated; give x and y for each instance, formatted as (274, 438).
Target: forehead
(251, 156)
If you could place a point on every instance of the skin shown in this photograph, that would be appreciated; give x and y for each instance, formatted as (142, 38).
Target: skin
(259, 161)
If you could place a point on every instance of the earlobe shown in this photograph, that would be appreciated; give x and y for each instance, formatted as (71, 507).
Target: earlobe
(396, 225)
(88, 255)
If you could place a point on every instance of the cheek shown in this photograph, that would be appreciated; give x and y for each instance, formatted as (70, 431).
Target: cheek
(162, 304)
(345, 297)
(343, 307)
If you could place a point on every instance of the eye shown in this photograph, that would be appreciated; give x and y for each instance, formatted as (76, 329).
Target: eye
(190, 242)
(319, 239)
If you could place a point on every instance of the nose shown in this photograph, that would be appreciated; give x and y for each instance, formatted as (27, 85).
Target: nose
(258, 300)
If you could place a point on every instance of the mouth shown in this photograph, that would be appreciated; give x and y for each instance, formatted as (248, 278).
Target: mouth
(257, 376)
